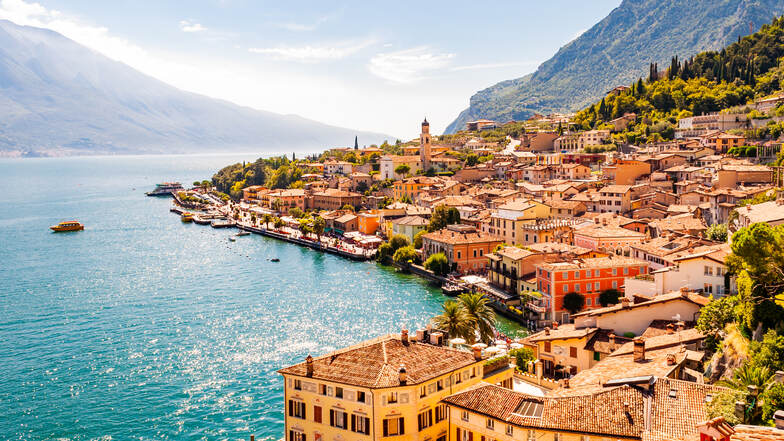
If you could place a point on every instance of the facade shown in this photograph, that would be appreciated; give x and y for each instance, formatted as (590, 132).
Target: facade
(387, 388)
(334, 199)
(368, 222)
(507, 221)
(607, 237)
(465, 248)
(388, 164)
(588, 277)
(283, 200)
(615, 199)
(409, 226)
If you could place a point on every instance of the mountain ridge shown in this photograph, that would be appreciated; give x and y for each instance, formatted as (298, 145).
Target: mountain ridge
(618, 50)
(58, 97)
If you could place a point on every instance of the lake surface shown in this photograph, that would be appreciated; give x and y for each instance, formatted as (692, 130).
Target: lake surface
(141, 327)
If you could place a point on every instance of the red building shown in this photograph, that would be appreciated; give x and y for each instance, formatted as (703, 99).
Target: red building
(588, 277)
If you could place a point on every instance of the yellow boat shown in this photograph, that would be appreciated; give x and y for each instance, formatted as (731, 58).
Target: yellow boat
(186, 217)
(67, 226)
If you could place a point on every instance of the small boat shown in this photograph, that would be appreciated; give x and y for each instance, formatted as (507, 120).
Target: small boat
(186, 217)
(233, 239)
(201, 220)
(274, 259)
(242, 233)
(67, 226)
(165, 189)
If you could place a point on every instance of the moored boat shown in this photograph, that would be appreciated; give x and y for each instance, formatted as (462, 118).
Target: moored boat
(243, 233)
(186, 217)
(67, 226)
(165, 189)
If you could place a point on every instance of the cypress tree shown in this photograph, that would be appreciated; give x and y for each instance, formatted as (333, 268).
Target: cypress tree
(640, 88)
(356, 143)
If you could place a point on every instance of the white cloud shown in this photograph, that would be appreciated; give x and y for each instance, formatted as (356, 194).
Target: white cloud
(307, 27)
(313, 53)
(189, 26)
(409, 65)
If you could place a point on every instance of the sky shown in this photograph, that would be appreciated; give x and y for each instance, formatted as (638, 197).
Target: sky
(367, 65)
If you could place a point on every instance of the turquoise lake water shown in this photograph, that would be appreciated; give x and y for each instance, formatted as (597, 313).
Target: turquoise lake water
(141, 327)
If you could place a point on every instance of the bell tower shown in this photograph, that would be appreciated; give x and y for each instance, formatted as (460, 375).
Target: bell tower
(424, 145)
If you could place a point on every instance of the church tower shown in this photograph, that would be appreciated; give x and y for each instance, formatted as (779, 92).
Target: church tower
(424, 145)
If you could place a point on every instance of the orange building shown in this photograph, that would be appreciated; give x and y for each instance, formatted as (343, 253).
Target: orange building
(465, 248)
(368, 222)
(587, 277)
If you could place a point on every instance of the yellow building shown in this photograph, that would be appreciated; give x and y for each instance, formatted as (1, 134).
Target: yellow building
(507, 221)
(387, 388)
(411, 187)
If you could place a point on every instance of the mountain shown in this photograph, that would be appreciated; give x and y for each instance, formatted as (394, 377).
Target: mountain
(58, 97)
(618, 50)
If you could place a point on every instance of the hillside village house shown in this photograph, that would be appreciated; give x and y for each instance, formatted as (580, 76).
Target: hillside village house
(588, 277)
(386, 388)
(334, 199)
(465, 247)
(607, 237)
(506, 221)
(409, 226)
(615, 199)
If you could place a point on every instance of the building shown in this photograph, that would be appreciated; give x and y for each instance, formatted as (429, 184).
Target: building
(424, 145)
(648, 408)
(284, 200)
(587, 277)
(592, 137)
(506, 222)
(368, 222)
(334, 199)
(389, 387)
(771, 212)
(626, 171)
(465, 247)
(411, 187)
(481, 124)
(388, 164)
(721, 142)
(695, 126)
(338, 168)
(732, 175)
(607, 237)
(615, 198)
(409, 226)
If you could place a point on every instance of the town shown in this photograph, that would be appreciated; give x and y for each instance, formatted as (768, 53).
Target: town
(644, 257)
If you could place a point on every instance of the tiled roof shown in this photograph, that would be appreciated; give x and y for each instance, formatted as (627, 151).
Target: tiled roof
(454, 237)
(375, 363)
(597, 262)
(757, 433)
(562, 332)
(673, 296)
(613, 412)
(411, 220)
(608, 231)
(687, 336)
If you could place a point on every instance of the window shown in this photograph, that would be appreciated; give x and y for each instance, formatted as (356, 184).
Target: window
(577, 287)
(719, 271)
(573, 352)
(464, 415)
(425, 419)
(626, 271)
(422, 391)
(557, 437)
(295, 435)
(615, 273)
(565, 275)
(509, 430)
(585, 438)
(360, 396)
(440, 385)
(360, 424)
(338, 418)
(322, 389)
(588, 301)
(566, 288)
(531, 435)
(297, 409)
(440, 413)
(317, 414)
(708, 272)
(394, 427)
(338, 392)
(297, 384)
(615, 284)
(392, 398)
(490, 424)
(458, 254)
(589, 287)
(597, 356)
(577, 274)
(474, 253)
(547, 346)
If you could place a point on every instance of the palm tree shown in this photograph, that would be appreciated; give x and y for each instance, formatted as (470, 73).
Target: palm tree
(455, 321)
(476, 306)
(267, 218)
(748, 375)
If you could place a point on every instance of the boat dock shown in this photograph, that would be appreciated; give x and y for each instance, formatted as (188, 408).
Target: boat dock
(318, 246)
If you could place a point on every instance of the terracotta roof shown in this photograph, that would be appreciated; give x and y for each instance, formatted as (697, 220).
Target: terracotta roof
(375, 363)
(669, 297)
(448, 236)
(608, 231)
(411, 220)
(597, 262)
(756, 433)
(603, 413)
(566, 331)
(686, 336)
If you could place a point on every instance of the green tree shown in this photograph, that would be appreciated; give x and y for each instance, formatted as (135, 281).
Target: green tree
(609, 297)
(266, 219)
(278, 222)
(573, 302)
(398, 241)
(405, 255)
(438, 264)
(723, 405)
(296, 213)
(768, 353)
(748, 375)
(715, 317)
(522, 356)
(402, 169)
(319, 224)
(385, 251)
(471, 159)
(477, 307)
(206, 184)
(454, 321)
(717, 233)
(418, 239)
(443, 216)
(772, 400)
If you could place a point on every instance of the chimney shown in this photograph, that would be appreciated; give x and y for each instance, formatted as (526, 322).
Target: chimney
(778, 417)
(670, 328)
(404, 336)
(547, 330)
(566, 383)
(555, 325)
(309, 365)
(625, 302)
(402, 374)
(670, 359)
(639, 349)
(252, 438)
(477, 353)
(612, 342)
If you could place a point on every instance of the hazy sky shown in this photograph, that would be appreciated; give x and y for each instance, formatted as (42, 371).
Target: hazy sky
(379, 66)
